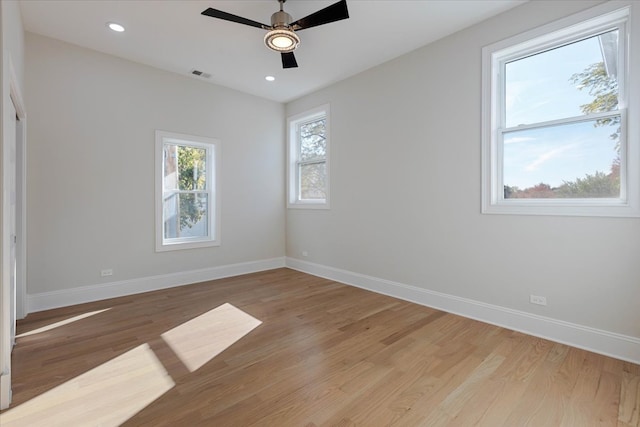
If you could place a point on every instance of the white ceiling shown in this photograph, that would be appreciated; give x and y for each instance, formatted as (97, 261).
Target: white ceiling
(172, 35)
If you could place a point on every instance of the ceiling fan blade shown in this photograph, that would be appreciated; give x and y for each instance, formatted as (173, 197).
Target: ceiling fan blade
(215, 13)
(335, 12)
(289, 60)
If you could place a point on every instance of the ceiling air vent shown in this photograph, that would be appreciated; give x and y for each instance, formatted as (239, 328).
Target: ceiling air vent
(200, 74)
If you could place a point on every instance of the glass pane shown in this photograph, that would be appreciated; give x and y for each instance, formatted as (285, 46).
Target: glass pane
(170, 179)
(572, 80)
(313, 181)
(184, 167)
(313, 144)
(579, 160)
(185, 215)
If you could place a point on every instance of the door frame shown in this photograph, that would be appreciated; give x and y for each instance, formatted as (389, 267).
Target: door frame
(21, 202)
(11, 97)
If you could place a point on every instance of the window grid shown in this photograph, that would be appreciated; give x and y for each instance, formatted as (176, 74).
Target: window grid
(300, 164)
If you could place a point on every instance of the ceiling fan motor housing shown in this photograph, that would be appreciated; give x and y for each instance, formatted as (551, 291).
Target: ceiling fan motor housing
(280, 19)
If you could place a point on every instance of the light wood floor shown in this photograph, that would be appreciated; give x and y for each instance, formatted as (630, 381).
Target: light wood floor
(282, 348)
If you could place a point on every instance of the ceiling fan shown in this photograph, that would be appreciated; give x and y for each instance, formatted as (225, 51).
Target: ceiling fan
(281, 36)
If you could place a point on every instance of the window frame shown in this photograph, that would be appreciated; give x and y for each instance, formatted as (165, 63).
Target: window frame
(621, 15)
(213, 158)
(294, 163)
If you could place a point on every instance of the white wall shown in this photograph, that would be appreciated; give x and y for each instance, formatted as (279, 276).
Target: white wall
(13, 38)
(91, 167)
(405, 188)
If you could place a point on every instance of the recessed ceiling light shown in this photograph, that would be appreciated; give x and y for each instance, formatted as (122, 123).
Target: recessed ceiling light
(269, 78)
(115, 27)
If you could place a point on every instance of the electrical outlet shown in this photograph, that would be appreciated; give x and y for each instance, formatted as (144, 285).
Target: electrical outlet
(537, 299)
(106, 272)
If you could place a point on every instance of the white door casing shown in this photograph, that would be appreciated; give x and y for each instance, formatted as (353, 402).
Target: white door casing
(7, 306)
(12, 220)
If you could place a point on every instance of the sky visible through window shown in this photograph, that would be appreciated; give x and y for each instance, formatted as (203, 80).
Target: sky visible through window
(539, 88)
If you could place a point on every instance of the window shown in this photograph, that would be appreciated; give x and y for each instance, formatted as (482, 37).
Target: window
(187, 199)
(556, 134)
(308, 180)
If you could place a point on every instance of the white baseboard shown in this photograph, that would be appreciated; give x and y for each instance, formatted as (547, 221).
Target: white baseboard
(5, 390)
(66, 297)
(598, 341)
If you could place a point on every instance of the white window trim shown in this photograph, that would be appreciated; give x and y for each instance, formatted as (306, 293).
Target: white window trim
(292, 156)
(575, 26)
(213, 147)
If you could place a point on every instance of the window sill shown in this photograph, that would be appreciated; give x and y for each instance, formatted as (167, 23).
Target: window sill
(603, 208)
(308, 205)
(186, 245)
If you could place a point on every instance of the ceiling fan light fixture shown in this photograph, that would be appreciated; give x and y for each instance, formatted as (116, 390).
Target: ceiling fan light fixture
(282, 40)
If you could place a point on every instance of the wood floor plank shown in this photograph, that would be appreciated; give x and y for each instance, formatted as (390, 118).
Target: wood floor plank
(436, 385)
(629, 410)
(317, 353)
(471, 387)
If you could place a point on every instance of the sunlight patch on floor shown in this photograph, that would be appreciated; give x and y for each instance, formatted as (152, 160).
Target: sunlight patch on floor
(107, 395)
(61, 323)
(201, 339)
